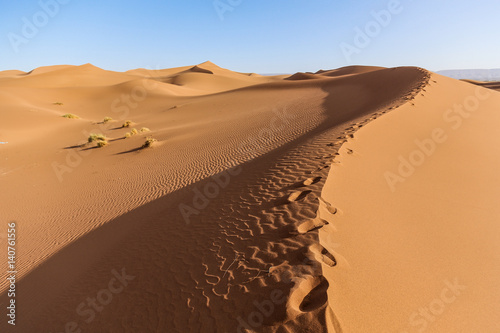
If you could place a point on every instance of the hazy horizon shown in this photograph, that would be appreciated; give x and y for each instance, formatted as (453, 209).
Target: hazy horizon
(439, 71)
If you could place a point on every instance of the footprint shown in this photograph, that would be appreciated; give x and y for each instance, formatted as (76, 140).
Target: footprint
(332, 210)
(307, 182)
(321, 254)
(311, 181)
(316, 297)
(308, 294)
(328, 258)
(321, 167)
(298, 195)
(311, 225)
(328, 206)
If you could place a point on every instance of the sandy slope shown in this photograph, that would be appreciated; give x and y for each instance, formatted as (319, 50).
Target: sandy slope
(214, 226)
(416, 236)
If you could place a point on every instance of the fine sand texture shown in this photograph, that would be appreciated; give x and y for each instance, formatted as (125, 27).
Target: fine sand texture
(216, 201)
(416, 236)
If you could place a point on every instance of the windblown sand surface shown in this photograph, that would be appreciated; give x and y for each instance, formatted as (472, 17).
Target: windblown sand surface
(226, 224)
(417, 234)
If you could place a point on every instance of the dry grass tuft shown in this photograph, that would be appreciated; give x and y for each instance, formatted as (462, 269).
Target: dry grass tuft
(149, 142)
(101, 144)
(96, 137)
(70, 116)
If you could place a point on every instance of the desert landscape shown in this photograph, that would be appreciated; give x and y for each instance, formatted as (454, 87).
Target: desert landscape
(232, 166)
(199, 199)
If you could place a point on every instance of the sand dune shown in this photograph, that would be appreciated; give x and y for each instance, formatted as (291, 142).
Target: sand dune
(68, 76)
(349, 70)
(489, 85)
(223, 225)
(10, 73)
(416, 236)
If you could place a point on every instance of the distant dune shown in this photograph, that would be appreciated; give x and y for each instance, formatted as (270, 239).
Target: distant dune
(198, 199)
(490, 85)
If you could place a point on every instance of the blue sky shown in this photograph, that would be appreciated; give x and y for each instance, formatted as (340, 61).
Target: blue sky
(263, 36)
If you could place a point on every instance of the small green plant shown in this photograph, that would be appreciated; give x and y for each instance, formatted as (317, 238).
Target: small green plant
(107, 119)
(127, 123)
(70, 116)
(128, 135)
(57, 103)
(149, 142)
(101, 144)
(144, 129)
(96, 137)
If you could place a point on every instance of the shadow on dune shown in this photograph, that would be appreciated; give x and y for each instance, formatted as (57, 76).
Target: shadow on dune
(176, 265)
(131, 151)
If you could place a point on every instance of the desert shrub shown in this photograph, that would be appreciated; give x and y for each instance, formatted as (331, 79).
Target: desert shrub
(144, 129)
(127, 123)
(133, 131)
(96, 137)
(148, 143)
(106, 119)
(70, 116)
(101, 144)
(57, 103)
